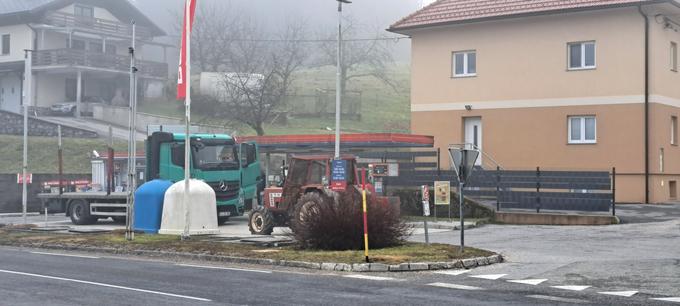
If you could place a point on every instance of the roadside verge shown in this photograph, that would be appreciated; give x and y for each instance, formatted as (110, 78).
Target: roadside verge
(407, 257)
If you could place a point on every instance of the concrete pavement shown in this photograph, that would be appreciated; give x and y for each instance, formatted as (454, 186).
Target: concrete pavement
(93, 125)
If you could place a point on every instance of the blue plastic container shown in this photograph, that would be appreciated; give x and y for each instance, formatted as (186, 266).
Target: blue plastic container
(149, 205)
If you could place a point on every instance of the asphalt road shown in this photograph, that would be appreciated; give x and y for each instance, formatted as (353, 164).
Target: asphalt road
(29, 278)
(636, 263)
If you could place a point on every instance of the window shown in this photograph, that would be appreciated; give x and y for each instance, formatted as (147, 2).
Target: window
(110, 49)
(581, 55)
(84, 11)
(464, 64)
(96, 47)
(77, 44)
(5, 44)
(582, 129)
(674, 130)
(177, 154)
(674, 56)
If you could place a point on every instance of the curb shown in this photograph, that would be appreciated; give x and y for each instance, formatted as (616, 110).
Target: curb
(444, 226)
(467, 263)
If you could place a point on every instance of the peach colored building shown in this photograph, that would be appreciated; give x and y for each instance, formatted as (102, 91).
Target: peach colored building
(564, 85)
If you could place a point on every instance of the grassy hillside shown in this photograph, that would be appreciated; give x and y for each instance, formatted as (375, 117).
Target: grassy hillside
(384, 109)
(42, 154)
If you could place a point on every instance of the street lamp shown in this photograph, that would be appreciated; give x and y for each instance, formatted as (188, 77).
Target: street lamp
(338, 93)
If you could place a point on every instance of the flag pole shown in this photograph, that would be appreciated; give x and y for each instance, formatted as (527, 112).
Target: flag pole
(187, 117)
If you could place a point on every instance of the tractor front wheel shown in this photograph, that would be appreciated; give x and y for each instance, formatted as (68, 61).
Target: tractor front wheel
(261, 221)
(308, 204)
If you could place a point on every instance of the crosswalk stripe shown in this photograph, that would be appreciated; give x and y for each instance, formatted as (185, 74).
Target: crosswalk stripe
(670, 299)
(532, 282)
(489, 276)
(452, 272)
(454, 286)
(572, 288)
(620, 293)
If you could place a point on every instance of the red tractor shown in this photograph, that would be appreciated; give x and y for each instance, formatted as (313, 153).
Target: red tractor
(306, 182)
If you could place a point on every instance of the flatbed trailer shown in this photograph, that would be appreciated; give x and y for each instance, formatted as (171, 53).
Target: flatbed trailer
(87, 207)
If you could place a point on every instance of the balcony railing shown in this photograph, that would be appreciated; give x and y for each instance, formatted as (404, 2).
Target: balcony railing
(81, 58)
(97, 25)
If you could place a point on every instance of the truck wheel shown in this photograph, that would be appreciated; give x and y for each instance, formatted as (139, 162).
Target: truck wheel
(119, 220)
(80, 213)
(222, 220)
(308, 203)
(261, 221)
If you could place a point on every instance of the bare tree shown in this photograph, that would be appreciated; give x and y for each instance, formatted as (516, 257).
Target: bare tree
(361, 56)
(262, 74)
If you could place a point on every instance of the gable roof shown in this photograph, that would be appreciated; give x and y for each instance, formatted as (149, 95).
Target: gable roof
(444, 12)
(17, 6)
(24, 11)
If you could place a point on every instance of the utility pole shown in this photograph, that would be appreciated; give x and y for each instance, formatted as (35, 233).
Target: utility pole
(338, 85)
(132, 145)
(28, 100)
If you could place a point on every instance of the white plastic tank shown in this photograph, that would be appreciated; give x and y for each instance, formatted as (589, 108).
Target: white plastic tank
(202, 210)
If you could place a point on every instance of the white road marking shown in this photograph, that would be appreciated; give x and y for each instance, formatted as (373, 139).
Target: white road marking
(572, 288)
(454, 286)
(65, 255)
(453, 272)
(105, 285)
(620, 293)
(489, 276)
(378, 278)
(671, 299)
(532, 282)
(557, 299)
(223, 268)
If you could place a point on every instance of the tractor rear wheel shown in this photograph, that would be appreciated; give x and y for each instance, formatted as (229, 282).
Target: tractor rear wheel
(308, 204)
(261, 221)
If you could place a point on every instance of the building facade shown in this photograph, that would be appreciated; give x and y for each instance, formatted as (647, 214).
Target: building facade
(562, 85)
(79, 52)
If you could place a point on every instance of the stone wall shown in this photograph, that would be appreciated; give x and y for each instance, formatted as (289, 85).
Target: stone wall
(13, 124)
(10, 202)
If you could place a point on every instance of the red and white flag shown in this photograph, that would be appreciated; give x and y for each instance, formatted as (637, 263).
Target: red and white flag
(182, 78)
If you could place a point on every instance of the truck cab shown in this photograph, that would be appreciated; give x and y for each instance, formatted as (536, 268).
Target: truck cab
(231, 169)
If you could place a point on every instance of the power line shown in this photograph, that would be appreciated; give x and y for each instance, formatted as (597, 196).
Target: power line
(395, 39)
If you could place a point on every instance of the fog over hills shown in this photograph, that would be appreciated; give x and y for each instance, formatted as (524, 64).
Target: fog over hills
(320, 15)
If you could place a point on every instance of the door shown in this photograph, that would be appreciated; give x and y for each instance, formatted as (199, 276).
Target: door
(10, 93)
(473, 135)
(251, 173)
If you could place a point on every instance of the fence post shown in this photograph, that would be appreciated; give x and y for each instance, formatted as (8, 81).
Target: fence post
(614, 191)
(538, 190)
(498, 188)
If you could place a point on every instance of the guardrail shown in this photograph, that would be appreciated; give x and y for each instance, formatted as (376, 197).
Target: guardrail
(90, 24)
(82, 58)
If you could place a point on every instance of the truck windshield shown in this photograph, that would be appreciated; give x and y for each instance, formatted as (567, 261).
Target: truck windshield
(216, 157)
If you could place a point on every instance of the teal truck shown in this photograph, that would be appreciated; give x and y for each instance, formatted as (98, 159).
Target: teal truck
(231, 169)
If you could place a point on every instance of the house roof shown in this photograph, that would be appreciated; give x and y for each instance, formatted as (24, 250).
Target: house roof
(24, 11)
(444, 12)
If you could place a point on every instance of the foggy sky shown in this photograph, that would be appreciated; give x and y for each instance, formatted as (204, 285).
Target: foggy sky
(318, 13)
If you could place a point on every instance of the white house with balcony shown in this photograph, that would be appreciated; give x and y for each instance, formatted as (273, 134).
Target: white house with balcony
(80, 52)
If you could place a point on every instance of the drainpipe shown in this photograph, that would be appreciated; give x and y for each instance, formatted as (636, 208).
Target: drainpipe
(646, 102)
